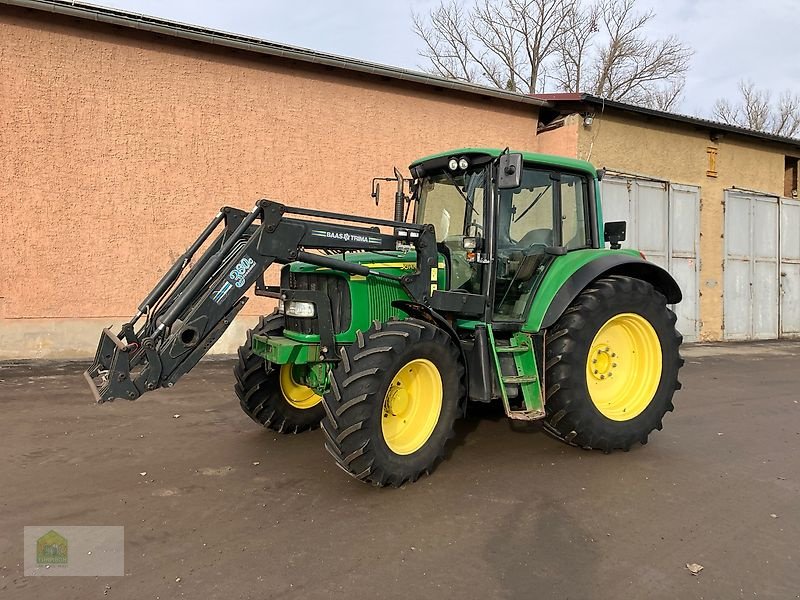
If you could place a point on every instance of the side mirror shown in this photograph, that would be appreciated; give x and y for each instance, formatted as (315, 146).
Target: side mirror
(509, 171)
(614, 232)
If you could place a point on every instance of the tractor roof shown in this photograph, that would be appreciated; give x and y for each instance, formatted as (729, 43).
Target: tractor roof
(532, 157)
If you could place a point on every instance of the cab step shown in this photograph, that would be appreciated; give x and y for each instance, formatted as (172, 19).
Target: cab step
(526, 376)
(518, 379)
(512, 349)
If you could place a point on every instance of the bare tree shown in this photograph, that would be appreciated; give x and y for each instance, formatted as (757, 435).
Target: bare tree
(504, 43)
(566, 45)
(570, 71)
(755, 109)
(629, 66)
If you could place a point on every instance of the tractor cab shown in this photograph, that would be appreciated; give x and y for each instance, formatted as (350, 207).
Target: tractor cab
(499, 234)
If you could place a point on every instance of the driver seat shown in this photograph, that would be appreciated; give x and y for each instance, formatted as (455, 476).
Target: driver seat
(542, 237)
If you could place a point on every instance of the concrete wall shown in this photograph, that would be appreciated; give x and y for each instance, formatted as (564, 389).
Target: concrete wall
(678, 153)
(118, 147)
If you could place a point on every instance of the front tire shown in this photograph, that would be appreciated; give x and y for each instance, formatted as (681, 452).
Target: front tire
(270, 394)
(394, 398)
(612, 363)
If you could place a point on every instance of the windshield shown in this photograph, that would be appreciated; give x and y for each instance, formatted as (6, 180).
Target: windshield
(452, 203)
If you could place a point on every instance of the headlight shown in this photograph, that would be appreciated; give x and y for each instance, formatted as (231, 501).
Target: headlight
(295, 308)
(453, 164)
(469, 243)
(463, 163)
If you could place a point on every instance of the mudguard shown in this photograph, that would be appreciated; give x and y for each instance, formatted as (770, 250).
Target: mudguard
(426, 313)
(612, 264)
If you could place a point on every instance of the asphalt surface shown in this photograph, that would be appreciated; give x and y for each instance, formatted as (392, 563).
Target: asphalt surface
(229, 510)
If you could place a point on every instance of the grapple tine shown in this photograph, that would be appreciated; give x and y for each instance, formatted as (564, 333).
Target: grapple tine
(104, 353)
(111, 364)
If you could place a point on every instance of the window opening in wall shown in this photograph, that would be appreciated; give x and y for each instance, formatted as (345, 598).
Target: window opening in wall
(790, 177)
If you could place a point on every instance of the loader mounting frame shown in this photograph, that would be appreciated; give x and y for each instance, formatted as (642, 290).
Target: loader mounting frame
(185, 316)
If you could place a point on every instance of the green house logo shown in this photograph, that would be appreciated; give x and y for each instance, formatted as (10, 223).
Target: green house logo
(51, 549)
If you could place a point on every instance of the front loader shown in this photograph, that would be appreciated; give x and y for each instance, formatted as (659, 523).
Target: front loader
(491, 283)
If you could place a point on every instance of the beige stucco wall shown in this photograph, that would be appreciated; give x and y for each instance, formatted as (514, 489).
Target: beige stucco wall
(678, 153)
(563, 140)
(118, 147)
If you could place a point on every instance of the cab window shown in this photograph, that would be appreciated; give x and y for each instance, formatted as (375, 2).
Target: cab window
(574, 218)
(548, 209)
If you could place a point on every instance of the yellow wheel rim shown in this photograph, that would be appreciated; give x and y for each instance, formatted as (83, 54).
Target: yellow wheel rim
(298, 395)
(623, 368)
(412, 406)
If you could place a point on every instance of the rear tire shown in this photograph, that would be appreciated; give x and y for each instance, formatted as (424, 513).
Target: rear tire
(258, 387)
(611, 367)
(394, 398)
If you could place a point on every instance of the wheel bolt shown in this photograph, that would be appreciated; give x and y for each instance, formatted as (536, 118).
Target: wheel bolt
(613, 355)
(596, 371)
(602, 376)
(614, 365)
(594, 361)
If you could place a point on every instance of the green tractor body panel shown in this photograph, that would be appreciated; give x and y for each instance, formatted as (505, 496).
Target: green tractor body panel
(281, 350)
(557, 276)
(370, 297)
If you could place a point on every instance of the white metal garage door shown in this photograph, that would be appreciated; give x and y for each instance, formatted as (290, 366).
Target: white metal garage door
(664, 223)
(790, 268)
(751, 292)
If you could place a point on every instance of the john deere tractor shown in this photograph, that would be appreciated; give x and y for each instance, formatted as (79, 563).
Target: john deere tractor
(492, 283)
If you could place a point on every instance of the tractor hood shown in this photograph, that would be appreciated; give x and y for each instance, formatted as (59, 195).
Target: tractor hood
(406, 261)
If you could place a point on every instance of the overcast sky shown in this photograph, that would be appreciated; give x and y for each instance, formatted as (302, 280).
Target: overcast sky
(732, 39)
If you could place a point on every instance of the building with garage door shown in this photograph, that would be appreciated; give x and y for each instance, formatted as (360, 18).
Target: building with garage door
(122, 134)
(714, 204)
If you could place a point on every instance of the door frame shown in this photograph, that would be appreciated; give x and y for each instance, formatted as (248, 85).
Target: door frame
(633, 213)
(753, 197)
(795, 202)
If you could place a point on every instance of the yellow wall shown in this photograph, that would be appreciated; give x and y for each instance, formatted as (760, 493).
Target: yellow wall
(678, 153)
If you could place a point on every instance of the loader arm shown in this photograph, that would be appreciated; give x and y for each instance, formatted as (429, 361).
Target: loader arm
(185, 314)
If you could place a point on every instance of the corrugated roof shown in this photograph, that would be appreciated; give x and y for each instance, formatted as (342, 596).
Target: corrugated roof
(571, 100)
(91, 12)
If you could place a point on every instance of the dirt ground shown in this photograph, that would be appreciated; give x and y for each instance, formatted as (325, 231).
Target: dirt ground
(229, 510)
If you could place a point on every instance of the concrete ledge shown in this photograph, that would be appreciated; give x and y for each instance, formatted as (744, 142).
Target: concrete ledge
(77, 338)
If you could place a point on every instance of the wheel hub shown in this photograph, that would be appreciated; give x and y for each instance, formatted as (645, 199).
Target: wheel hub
(396, 401)
(604, 361)
(295, 393)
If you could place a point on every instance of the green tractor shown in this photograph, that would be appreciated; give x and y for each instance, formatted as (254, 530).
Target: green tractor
(491, 283)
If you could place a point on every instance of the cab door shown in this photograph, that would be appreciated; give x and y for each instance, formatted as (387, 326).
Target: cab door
(548, 211)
